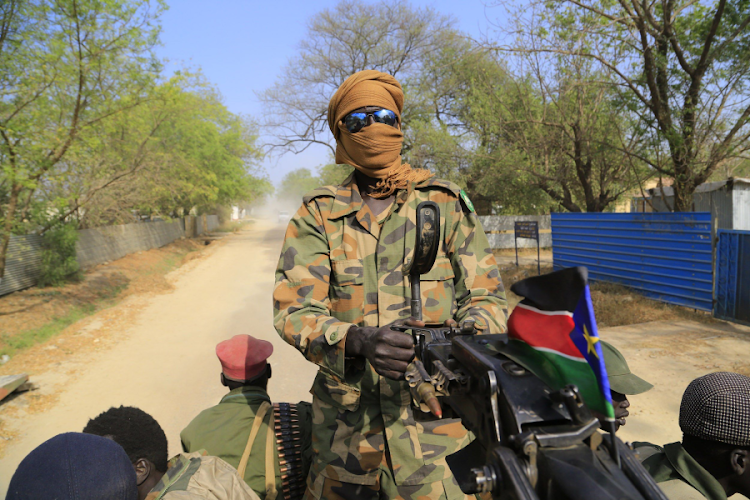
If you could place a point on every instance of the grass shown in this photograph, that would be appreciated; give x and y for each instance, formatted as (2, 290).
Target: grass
(104, 296)
(98, 291)
(29, 338)
(615, 305)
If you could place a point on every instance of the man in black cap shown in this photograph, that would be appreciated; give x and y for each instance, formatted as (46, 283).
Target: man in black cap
(713, 460)
(622, 382)
(75, 466)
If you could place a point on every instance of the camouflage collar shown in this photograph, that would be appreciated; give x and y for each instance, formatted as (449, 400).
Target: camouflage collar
(180, 469)
(348, 199)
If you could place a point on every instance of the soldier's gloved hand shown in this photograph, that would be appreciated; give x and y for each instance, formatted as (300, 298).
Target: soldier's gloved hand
(388, 351)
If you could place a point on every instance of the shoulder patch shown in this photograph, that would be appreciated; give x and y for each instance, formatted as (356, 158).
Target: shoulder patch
(467, 201)
(440, 183)
(328, 191)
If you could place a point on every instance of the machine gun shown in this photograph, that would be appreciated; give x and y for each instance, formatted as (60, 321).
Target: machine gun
(532, 443)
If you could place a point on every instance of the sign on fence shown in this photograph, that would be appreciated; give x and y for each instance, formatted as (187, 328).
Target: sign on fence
(530, 230)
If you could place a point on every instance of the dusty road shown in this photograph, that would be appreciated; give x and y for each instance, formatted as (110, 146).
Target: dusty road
(165, 362)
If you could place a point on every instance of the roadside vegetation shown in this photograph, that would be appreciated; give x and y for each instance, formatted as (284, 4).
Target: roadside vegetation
(35, 315)
(94, 131)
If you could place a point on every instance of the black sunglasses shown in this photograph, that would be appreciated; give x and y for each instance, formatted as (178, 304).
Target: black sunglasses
(355, 120)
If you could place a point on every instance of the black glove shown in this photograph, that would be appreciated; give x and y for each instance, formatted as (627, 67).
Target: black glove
(388, 351)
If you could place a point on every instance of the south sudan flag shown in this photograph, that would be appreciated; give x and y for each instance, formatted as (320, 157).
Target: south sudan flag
(553, 333)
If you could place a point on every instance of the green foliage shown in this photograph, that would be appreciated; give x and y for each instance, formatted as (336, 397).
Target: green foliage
(58, 256)
(296, 183)
(680, 68)
(333, 174)
(92, 131)
(67, 67)
(526, 141)
(15, 343)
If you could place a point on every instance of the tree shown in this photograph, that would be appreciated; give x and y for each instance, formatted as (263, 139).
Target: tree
(188, 151)
(569, 124)
(455, 128)
(333, 174)
(390, 36)
(521, 141)
(68, 65)
(296, 183)
(682, 66)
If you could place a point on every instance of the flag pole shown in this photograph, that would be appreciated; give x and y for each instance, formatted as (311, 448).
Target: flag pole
(614, 452)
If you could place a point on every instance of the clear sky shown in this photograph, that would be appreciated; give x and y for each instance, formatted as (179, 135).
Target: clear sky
(241, 46)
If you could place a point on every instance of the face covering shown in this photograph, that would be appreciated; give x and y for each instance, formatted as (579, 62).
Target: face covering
(375, 149)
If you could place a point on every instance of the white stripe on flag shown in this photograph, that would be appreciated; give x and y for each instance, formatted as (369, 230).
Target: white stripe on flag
(546, 313)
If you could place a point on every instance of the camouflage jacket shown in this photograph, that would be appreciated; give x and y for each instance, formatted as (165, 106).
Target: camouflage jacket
(341, 266)
(198, 476)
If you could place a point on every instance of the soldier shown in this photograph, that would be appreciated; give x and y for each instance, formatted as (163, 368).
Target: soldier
(186, 476)
(74, 466)
(622, 382)
(713, 460)
(237, 429)
(342, 282)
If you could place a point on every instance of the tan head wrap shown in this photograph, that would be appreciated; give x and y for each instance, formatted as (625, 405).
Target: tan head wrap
(374, 150)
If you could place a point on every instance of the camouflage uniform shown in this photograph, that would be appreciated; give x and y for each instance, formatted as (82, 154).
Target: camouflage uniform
(341, 266)
(196, 476)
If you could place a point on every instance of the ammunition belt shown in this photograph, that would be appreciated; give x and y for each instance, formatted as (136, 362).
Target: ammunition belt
(289, 446)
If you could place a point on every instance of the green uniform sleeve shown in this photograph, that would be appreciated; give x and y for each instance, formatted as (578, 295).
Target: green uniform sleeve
(479, 290)
(302, 308)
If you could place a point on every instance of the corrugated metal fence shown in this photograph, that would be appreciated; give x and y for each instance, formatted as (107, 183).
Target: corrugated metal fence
(733, 276)
(103, 244)
(665, 256)
(22, 264)
(94, 246)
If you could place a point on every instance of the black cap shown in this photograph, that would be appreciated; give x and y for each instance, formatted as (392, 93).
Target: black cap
(75, 466)
(716, 407)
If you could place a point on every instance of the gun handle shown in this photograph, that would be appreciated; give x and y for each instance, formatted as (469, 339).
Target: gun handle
(416, 297)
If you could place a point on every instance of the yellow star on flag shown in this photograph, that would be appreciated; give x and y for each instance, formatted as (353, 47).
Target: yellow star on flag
(590, 340)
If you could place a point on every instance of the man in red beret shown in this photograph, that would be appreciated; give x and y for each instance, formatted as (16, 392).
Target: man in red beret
(237, 429)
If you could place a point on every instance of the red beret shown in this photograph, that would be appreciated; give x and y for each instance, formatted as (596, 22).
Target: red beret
(243, 357)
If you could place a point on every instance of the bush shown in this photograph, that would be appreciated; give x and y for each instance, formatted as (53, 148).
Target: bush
(59, 263)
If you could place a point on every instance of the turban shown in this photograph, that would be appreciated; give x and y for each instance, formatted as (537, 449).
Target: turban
(374, 150)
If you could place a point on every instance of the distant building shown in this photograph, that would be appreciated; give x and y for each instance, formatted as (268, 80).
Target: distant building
(727, 200)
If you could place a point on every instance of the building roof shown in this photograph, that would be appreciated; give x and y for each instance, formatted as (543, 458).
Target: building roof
(703, 188)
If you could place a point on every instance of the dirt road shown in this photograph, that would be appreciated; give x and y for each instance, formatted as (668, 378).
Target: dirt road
(165, 362)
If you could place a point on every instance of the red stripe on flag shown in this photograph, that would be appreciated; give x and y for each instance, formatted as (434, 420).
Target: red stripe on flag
(548, 331)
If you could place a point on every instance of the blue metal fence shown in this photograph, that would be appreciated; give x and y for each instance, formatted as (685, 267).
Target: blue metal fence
(665, 256)
(733, 276)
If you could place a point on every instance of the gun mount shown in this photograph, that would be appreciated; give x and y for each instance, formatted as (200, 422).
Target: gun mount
(531, 442)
